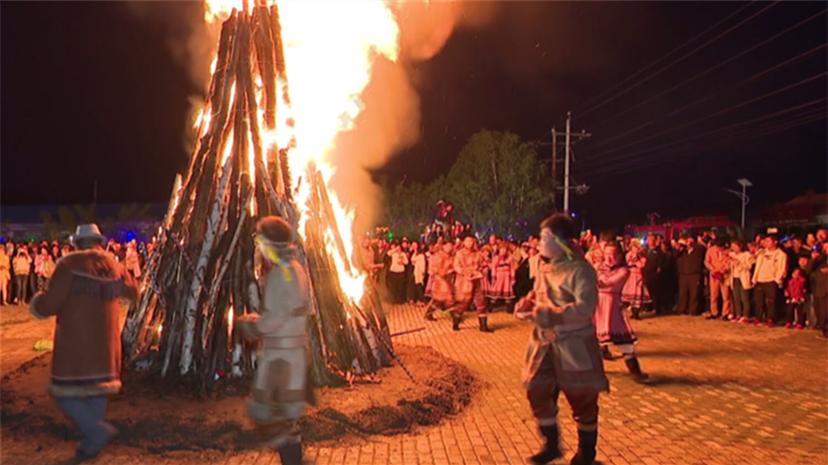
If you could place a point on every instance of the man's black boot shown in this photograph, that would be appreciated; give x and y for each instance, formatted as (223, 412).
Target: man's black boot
(291, 454)
(455, 321)
(587, 441)
(551, 449)
(484, 324)
(635, 369)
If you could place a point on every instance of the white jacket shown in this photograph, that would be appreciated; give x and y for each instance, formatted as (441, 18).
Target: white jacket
(740, 268)
(771, 266)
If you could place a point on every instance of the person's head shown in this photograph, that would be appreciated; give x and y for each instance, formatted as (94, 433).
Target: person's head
(274, 229)
(736, 246)
(88, 236)
(752, 247)
(810, 240)
(493, 240)
(469, 242)
(797, 243)
(822, 235)
(802, 262)
(415, 247)
(556, 235)
(770, 242)
(652, 240)
(612, 254)
(689, 241)
(796, 273)
(447, 247)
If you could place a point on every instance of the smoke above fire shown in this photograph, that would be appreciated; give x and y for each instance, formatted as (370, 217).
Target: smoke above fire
(389, 120)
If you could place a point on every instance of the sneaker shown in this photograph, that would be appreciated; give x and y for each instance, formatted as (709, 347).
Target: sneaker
(770, 323)
(799, 326)
(788, 326)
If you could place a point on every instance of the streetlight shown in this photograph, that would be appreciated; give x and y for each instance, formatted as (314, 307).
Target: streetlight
(742, 196)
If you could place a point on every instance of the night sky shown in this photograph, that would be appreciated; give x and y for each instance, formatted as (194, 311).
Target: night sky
(95, 91)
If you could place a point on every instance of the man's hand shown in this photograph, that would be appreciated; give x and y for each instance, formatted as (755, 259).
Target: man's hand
(548, 308)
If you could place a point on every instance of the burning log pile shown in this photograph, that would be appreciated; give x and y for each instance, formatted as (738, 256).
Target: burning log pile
(202, 273)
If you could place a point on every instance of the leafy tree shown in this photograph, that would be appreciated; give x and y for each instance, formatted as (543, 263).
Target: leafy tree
(497, 182)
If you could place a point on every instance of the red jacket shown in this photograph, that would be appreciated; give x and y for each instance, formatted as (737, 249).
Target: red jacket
(795, 290)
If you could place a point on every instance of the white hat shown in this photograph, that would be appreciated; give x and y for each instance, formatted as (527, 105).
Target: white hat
(87, 231)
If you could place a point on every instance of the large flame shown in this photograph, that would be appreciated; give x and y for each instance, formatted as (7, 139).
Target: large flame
(329, 48)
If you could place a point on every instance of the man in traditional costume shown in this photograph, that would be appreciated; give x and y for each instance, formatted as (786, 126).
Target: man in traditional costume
(440, 269)
(563, 353)
(468, 285)
(280, 389)
(88, 295)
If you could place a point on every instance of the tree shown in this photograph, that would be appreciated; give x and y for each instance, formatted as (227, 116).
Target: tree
(496, 182)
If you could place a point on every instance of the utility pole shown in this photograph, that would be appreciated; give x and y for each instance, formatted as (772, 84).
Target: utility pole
(567, 155)
(554, 169)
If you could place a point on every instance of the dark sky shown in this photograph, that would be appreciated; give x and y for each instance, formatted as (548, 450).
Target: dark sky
(93, 91)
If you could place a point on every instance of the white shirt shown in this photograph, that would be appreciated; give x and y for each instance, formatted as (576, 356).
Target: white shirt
(398, 261)
(419, 262)
(533, 266)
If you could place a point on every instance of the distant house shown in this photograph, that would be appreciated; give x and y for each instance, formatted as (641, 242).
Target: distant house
(807, 210)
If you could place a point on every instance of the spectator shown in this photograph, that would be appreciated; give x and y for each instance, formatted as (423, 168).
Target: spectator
(418, 261)
(717, 262)
(653, 274)
(768, 278)
(5, 276)
(396, 273)
(22, 266)
(741, 264)
(132, 261)
(690, 263)
(818, 273)
(40, 260)
(795, 300)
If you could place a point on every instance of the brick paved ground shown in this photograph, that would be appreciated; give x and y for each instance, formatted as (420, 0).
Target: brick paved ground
(722, 394)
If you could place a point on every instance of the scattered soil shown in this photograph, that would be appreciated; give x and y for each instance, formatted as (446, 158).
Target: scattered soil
(162, 420)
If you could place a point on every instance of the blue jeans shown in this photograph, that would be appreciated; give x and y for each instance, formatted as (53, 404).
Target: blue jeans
(87, 413)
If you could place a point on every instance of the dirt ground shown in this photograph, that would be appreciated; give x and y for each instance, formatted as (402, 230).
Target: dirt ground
(159, 423)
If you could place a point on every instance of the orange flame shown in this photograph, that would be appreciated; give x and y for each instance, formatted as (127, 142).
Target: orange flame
(329, 62)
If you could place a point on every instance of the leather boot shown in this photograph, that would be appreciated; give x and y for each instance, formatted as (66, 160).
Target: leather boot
(551, 448)
(606, 353)
(455, 321)
(587, 441)
(291, 454)
(635, 369)
(484, 324)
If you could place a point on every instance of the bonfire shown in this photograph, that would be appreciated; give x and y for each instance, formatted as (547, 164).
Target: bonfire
(261, 150)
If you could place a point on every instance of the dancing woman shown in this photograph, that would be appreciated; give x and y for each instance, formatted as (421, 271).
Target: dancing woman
(611, 325)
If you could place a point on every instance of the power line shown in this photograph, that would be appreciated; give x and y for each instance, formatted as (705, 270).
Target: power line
(634, 155)
(711, 115)
(663, 57)
(818, 115)
(722, 63)
(695, 102)
(682, 58)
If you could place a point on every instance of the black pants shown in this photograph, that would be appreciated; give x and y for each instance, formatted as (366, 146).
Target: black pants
(22, 288)
(741, 299)
(765, 296)
(689, 288)
(821, 312)
(656, 289)
(795, 313)
(396, 286)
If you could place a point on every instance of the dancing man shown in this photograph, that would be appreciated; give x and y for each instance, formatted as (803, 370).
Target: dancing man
(468, 285)
(563, 354)
(280, 390)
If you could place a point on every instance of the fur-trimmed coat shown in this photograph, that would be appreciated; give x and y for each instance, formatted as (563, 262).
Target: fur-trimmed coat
(88, 294)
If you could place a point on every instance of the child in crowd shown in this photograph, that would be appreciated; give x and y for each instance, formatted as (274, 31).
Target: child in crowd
(795, 300)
